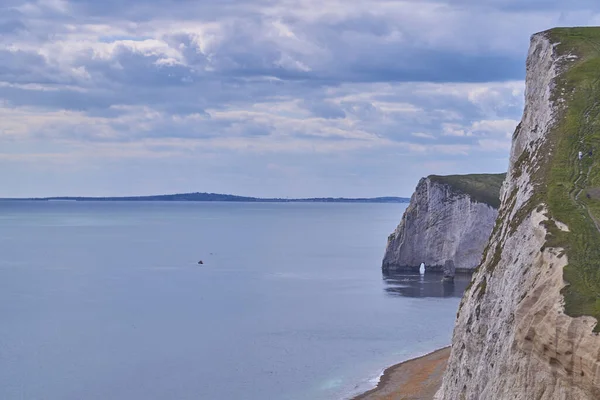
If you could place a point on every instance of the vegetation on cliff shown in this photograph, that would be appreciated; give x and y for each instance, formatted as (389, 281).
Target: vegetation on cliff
(483, 188)
(566, 170)
(573, 178)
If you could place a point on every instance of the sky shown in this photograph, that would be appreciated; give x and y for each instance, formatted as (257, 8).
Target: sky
(271, 98)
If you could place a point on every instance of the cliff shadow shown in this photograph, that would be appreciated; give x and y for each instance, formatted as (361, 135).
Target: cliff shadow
(410, 284)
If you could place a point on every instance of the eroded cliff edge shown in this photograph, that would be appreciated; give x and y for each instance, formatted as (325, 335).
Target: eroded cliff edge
(525, 328)
(449, 220)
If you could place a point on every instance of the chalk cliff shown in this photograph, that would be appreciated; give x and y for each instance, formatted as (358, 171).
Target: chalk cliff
(526, 327)
(446, 225)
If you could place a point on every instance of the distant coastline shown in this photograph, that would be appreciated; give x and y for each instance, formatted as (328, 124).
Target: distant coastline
(219, 197)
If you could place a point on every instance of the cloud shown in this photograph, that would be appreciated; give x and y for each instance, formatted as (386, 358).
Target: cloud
(454, 130)
(494, 144)
(370, 83)
(423, 135)
(503, 127)
(324, 109)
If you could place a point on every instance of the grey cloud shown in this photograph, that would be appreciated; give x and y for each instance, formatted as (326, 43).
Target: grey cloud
(364, 110)
(184, 8)
(364, 23)
(248, 71)
(19, 66)
(254, 129)
(130, 69)
(315, 138)
(525, 6)
(324, 109)
(148, 10)
(59, 98)
(435, 66)
(11, 26)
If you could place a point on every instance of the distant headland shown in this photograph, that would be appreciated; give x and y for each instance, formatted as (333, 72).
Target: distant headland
(223, 197)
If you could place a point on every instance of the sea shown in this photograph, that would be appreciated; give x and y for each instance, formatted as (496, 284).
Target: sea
(107, 300)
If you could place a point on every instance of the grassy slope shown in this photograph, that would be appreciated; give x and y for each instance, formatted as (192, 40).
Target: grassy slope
(564, 180)
(484, 188)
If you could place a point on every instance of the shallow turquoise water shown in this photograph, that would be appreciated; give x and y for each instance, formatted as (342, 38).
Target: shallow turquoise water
(107, 301)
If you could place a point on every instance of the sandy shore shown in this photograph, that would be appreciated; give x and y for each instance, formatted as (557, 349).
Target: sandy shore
(416, 379)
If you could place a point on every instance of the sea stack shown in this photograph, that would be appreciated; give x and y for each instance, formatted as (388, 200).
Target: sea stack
(446, 225)
(527, 327)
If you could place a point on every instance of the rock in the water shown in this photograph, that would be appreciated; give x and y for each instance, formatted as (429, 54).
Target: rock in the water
(449, 271)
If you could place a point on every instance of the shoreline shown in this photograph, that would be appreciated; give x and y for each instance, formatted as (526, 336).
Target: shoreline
(415, 379)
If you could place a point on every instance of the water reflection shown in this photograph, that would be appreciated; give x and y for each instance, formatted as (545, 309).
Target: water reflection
(409, 284)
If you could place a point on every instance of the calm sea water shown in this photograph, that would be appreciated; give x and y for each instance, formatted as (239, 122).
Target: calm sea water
(107, 301)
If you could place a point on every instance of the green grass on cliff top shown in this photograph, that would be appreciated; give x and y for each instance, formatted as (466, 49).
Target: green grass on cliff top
(571, 187)
(484, 188)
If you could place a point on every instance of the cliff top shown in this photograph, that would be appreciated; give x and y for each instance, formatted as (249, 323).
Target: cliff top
(568, 180)
(483, 188)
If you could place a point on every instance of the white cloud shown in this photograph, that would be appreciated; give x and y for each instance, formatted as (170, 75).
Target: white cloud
(383, 81)
(458, 130)
(494, 145)
(423, 135)
(504, 127)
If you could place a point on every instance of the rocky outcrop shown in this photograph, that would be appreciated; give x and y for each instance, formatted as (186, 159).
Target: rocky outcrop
(513, 339)
(446, 225)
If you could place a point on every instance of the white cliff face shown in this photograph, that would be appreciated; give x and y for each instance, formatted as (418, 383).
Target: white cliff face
(512, 339)
(439, 226)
